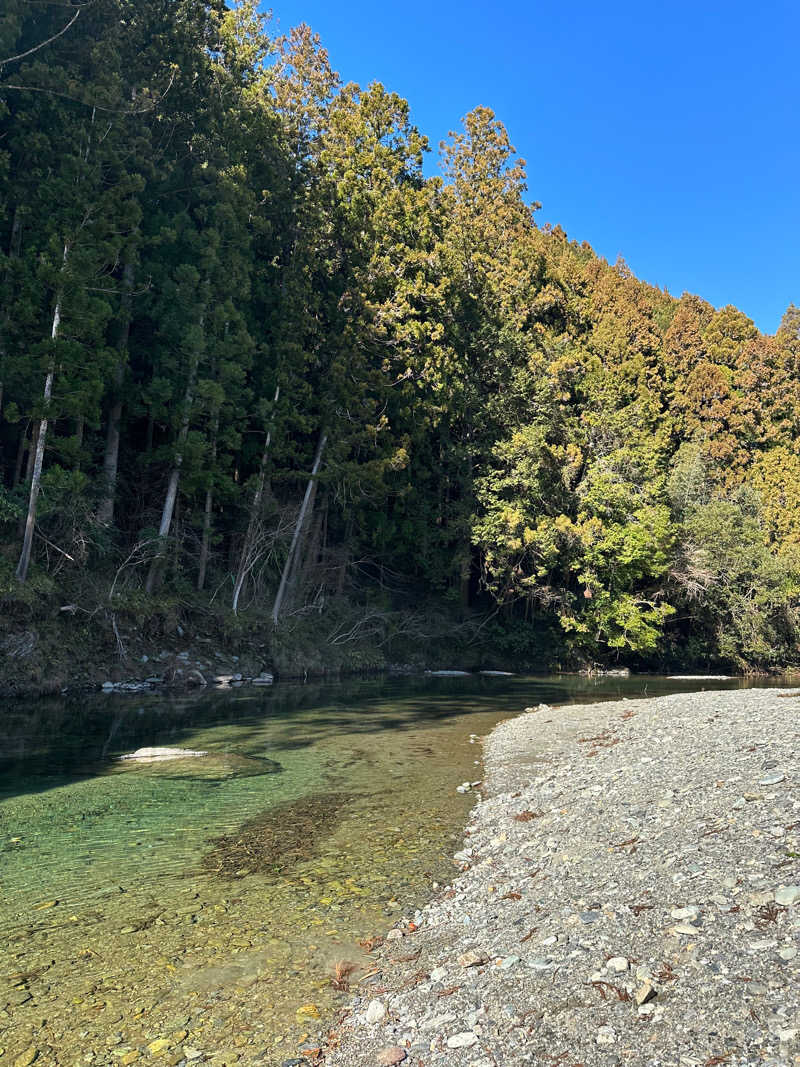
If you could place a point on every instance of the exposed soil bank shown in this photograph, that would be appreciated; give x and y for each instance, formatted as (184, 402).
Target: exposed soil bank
(629, 894)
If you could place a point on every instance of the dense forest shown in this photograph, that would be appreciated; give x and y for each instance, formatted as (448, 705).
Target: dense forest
(261, 374)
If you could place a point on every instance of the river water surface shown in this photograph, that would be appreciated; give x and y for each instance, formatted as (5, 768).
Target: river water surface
(199, 908)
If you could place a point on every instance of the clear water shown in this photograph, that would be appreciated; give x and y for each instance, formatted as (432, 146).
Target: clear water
(204, 902)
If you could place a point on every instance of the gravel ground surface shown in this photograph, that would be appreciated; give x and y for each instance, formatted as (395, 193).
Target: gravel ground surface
(629, 893)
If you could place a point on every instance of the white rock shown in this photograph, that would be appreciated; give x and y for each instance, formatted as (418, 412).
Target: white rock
(376, 1011)
(788, 895)
(158, 755)
(464, 1040)
(686, 929)
(617, 964)
(690, 912)
(606, 1036)
(438, 974)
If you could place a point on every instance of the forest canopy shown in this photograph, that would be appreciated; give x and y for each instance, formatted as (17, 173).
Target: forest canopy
(257, 368)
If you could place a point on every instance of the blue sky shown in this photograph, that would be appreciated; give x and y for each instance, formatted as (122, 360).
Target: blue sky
(667, 133)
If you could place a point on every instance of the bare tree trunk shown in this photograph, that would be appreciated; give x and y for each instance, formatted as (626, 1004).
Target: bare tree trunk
(206, 538)
(32, 450)
(287, 567)
(245, 562)
(36, 475)
(105, 510)
(306, 561)
(174, 477)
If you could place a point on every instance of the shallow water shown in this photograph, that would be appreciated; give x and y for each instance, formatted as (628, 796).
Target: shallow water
(201, 903)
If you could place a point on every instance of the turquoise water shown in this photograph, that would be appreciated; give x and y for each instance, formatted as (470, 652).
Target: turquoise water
(201, 903)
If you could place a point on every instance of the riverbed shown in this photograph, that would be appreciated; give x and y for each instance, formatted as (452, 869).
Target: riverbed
(199, 910)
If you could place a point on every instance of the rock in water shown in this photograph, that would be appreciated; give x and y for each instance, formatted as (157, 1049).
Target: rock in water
(158, 755)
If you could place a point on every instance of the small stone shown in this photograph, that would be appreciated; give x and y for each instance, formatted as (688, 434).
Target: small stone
(438, 974)
(606, 1036)
(788, 953)
(788, 895)
(464, 1040)
(376, 1011)
(161, 1044)
(472, 958)
(617, 964)
(28, 1056)
(772, 779)
(308, 1011)
(387, 1057)
(590, 916)
(394, 935)
(191, 1053)
(646, 992)
(691, 912)
(130, 1057)
(508, 962)
(685, 928)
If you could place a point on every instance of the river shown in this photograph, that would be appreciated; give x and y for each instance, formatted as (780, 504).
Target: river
(198, 910)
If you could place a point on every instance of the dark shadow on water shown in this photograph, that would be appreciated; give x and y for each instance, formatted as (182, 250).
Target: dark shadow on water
(54, 741)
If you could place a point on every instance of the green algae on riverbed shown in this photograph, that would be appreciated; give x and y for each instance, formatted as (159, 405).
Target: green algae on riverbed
(117, 929)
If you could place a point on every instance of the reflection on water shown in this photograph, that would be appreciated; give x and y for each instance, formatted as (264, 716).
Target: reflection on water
(200, 903)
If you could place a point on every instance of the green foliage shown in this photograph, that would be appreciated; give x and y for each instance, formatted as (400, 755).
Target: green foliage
(242, 256)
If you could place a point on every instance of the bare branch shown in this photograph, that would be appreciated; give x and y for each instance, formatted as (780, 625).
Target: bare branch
(36, 48)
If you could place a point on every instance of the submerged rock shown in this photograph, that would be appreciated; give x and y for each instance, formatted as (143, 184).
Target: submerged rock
(159, 755)
(190, 763)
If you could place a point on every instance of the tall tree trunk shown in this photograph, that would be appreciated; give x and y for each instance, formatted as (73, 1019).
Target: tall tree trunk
(246, 563)
(174, 478)
(287, 567)
(32, 450)
(36, 475)
(30, 458)
(209, 504)
(105, 510)
(306, 561)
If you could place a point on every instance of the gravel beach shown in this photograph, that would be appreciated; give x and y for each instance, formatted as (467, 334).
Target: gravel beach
(628, 893)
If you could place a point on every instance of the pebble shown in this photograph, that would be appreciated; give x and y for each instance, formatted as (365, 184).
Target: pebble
(465, 1040)
(687, 929)
(30, 1055)
(387, 1057)
(617, 964)
(376, 1011)
(646, 992)
(472, 958)
(606, 1036)
(788, 895)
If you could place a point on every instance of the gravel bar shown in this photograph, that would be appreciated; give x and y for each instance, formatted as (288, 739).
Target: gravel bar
(629, 893)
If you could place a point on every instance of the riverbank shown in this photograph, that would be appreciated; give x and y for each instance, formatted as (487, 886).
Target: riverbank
(629, 893)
